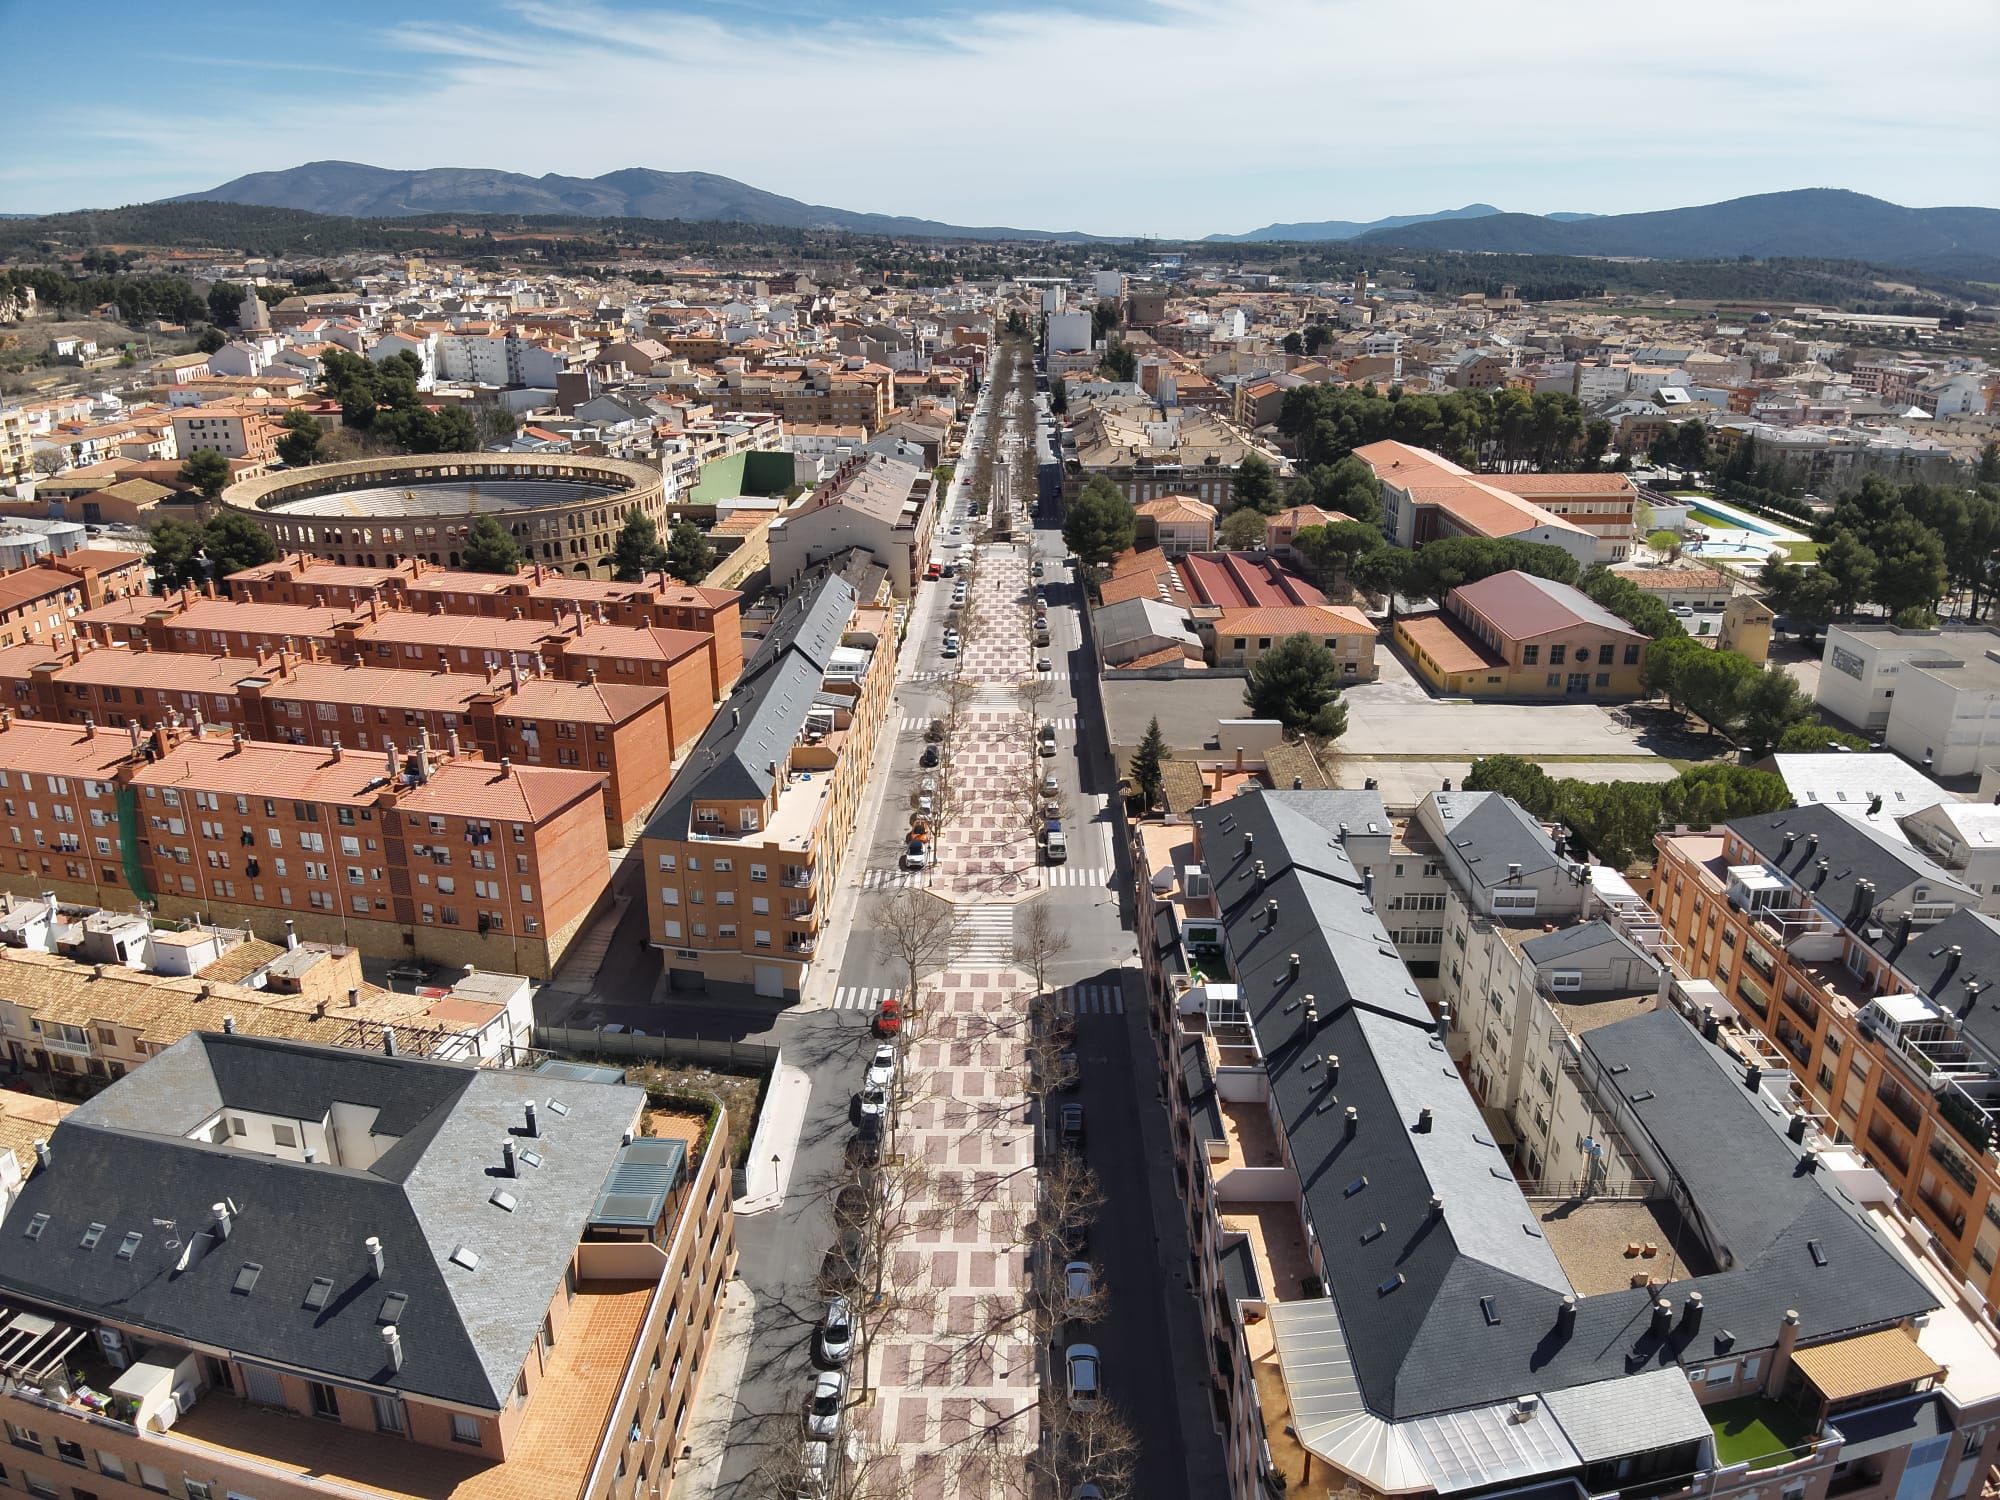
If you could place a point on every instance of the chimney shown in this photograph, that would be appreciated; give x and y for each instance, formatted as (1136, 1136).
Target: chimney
(507, 1167)
(229, 1025)
(1249, 839)
(506, 766)
(1795, 1129)
(1424, 1121)
(1791, 838)
(1312, 1011)
(132, 728)
(1294, 965)
(372, 1246)
(89, 727)
(1333, 1067)
(353, 998)
(1781, 1355)
(291, 934)
(1353, 1121)
(1566, 1318)
(1753, 1077)
(42, 1155)
(533, 1127)
(1437, 1208)
(224, 1219)
(1271, 914)
(392, 1347)
(1691, 1315)
(388, 1041)
(389, 767)
(1663, 1317)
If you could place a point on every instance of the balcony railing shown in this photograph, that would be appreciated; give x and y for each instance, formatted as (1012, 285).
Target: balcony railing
(1951, 1217)
(1955, 1166)
(1900, 1104)
(1884, 1141)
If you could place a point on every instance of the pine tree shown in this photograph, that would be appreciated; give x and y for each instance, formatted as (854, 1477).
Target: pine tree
(639, 551)
(689, 556)
(488, 549)
(1145, 773)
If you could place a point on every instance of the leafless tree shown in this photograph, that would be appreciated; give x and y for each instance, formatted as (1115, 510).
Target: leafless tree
(1084, 1445)
(920, 933)
(1039, 941)
(848, 1470)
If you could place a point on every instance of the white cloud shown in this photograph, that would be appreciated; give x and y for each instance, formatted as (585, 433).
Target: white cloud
(1182, 117)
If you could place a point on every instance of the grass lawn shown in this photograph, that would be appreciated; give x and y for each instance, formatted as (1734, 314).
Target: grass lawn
(1710, 518)
(1689, 494)
(1801, 551)
(1756, 1431)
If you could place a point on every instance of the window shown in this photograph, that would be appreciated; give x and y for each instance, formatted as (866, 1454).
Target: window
(40, 1486)
(284, 1135)
(1557, 654)
(152, 1478)
(1604, 679)
(23, 1437)
(325, 1400)
(389, 1414)
(110, 1463)
(199, 1489)
(465, 1429)
(1531, 655)
(1631, 656)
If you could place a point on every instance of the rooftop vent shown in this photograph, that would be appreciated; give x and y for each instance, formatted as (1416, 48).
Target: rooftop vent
(318, 1292)
(465, 1256)
(246, 1278)
(372, 1247)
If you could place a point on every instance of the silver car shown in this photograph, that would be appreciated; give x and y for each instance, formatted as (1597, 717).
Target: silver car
(829, 1394)
(833, 1340)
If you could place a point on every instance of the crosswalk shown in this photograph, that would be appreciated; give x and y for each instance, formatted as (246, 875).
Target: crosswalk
(1092, 875)
(983, 936)
(892, 880)
(868, 997)
(1090, 1000)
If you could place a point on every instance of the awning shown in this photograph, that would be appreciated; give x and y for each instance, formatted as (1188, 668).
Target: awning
(1497, 1122)
(1615, 1418)
(1873, 1362)
(1881, 1429)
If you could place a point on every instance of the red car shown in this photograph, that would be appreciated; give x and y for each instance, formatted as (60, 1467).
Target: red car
(935, 570)
(889, 1019)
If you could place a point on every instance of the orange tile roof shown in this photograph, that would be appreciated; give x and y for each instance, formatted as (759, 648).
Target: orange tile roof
(1606, 486)
(62, 749)
(1276, 620)
(1449, 647)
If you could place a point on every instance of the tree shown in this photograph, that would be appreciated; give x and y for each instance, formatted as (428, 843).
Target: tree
(1644, 612)
(1385, 572)
(638, 550)
(1849, 568)
(1330, 551)
(1297, 682)
(1119, 362)
(1145, 771)
(1292, 343)
(300, 443)
(689, 555)
(1665, 668)
(1512, 776)
(429, 429)
(1665, 541)
(207, 471)
(1814, 736)
(1909, 565)
(489, 549)
(1987, 470)
(175, 548)
(1691, 445)
(235, 542)
(918, 933)
(1059, 396)
(1256, 486)
(210, 339)
(1100, 523)
(1104, 317)
(1242, 530)
(1318, 336)
(1771, 703)
(225, 301)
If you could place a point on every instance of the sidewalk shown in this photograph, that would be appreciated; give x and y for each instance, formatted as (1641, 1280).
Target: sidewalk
(697, 1476)
(768, 1171)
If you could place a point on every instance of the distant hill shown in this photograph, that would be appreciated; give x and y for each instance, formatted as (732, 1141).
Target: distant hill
(1347, 229)
(1812, 222)
(355, 190)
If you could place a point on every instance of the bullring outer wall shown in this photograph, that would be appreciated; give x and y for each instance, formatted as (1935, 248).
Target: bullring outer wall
(575, 535)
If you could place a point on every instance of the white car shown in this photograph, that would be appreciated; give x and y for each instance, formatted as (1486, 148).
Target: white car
(833, 1340)
(829, 1392)
(1085, 1373)
(874, 1101)
(882, 1068)
(1078, 1281)
(1043, 664)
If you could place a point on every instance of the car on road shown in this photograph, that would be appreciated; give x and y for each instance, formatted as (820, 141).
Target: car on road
(889, 1017)
(950, 650)
(1079, 1281)
(1048, 739)
(829, 1394)
(1072, 1127)
(916, 855)
(1050, 788)
(935, 570)
(930, 757)
(1043, 664)
(882, 1067)
(833, 1340)
(1085, 1375)
(956, 531)
(1069, 1070)
(864, 1147)
(1038, 570)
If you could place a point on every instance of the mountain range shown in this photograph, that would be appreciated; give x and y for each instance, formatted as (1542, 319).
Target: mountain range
(363, 192)
(1816, 223)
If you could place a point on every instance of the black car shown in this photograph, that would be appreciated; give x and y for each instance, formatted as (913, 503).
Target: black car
(865, 1148)
(1072, 1127)
(929, 758)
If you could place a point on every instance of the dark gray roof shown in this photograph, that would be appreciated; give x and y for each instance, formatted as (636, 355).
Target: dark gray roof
(765, 712)
(1883, 1429)
(1489, 832)
(1853, 851)
(124, 1160)
(1238, 1265)
(1567, 942)
(1966, 984)
(1409, 1286)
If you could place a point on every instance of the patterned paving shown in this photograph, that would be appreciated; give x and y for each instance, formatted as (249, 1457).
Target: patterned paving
(955, 1375)
(988, 849)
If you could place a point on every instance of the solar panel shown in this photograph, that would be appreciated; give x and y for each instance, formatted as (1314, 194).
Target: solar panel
(246, 1278)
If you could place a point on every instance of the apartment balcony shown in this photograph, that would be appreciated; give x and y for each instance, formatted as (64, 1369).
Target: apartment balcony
(551, 1454)
(1892, 1150)
(801, 881)
(1760, 1433)
(1946, 1213)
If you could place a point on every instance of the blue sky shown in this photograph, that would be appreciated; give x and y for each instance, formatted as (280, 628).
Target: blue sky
(1172, 117)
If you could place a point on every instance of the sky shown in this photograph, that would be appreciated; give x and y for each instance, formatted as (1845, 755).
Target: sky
(1153, 117)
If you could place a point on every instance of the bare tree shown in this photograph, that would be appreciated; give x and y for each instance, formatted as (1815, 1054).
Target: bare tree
(1039, 941)
(844, 1470)
(920, 933)
(1084, 1445)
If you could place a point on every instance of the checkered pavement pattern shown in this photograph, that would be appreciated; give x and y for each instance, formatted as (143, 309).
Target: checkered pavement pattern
(998, 651)
(989, 847)
(955, 1377)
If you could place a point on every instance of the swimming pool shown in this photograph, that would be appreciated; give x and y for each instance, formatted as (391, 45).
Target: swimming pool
(1733, 520)
(1740, 550)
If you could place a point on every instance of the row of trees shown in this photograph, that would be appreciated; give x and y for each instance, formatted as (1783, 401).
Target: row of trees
(1616, 820)
(1749, 705)
(381, 398)
(686, 555)
(1504, 429)
(187, 553)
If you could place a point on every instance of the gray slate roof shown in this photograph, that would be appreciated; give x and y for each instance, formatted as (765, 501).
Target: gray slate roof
(1409, 1286)
(123, 1160)
(1924, 958)
(763, 715)
(1853, 851)
(1488, 832)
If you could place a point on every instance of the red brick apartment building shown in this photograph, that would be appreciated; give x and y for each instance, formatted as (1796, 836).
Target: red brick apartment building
(619, 731)
(416, 852)
(687, 664)
(38, 602)
(535, 593)
(265, 1268)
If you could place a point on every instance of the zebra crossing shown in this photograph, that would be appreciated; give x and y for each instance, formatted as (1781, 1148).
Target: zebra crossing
(983, 936)
(1092, 875)
(868, 997)
(1090, 1000)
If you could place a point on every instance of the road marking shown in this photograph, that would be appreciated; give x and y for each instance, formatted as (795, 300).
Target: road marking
(1078, 875)
(984, 935)
(863, 997)
(891, 880)
(1091, 1000)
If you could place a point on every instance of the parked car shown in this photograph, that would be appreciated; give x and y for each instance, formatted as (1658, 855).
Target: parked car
(916, 855)
(864, 1148)
(874, 1101)
(1043, 664)
(833, 1340)
(1049, 786)
(1038, 570)
(882, 1067)
(1069, 1070)
(816, 1469)
(889, 1017)
(1055, 844)
(1079, 1281)
(829, 1394)
(1086, 1375)
(935, 570)
(1048, 738)
(930, 757)
(1072, 1127)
